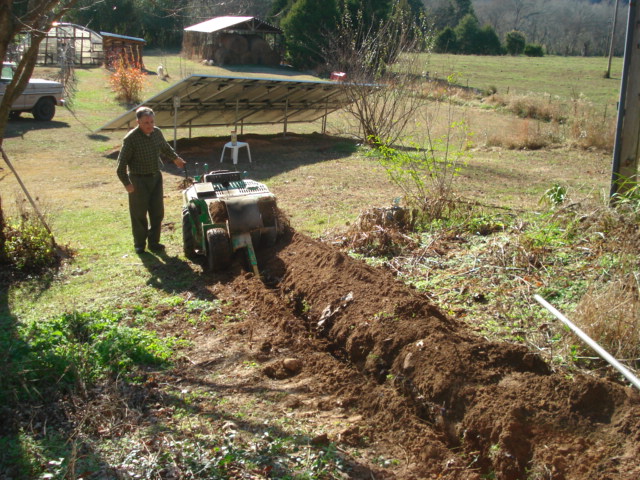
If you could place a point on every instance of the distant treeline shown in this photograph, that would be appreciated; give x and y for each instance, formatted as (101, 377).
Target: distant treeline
(559, 27)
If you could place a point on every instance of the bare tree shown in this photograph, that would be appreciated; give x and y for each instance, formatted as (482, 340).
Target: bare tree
(35, 19)
(564, 27)
(381, 80)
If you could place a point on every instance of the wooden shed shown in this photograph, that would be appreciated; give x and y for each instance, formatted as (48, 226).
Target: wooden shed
(116, 47)
(233, 41)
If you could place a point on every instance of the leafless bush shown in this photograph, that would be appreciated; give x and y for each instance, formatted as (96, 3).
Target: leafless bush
(381, 232)
(519, 253)
(381, 90)
(67, 74)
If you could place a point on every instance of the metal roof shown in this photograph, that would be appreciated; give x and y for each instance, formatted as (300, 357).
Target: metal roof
(240, 23)
(211, 101)
(123, 37)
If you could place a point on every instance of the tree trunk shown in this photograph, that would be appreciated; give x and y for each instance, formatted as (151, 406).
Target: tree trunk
(3, 238)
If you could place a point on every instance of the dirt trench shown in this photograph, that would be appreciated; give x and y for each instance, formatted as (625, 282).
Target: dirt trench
(453, 404)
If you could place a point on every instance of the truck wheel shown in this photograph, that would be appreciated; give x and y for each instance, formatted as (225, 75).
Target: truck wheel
(218, 250)
(188, 241)
(44, 109)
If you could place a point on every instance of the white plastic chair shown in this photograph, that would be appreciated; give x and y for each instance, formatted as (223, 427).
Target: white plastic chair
(234, 150)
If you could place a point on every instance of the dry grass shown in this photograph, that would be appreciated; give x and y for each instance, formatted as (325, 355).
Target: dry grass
(549, 121)
(538, 107)
(610, 313)
(526, 135)
(538, 121)
(591, 128)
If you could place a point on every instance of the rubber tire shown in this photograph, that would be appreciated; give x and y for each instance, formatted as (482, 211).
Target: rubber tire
(219, 252)
(188, 240)
(44, 109)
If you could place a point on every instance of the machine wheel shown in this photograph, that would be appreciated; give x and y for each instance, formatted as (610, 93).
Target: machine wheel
(218, 250)
(188, 241)
(44, 109)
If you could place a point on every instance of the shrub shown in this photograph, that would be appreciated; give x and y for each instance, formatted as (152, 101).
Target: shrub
(533, 50)
(29, 247)
(489, 42)
(127, 80)
(426, 173)
(26, 246)
(515, 42)
(446, 41)
(537, 107)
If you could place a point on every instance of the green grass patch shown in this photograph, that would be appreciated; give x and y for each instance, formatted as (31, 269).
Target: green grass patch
(565, 77)
(51, 356)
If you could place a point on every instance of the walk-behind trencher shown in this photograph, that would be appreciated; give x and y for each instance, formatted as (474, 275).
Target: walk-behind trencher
(223, 213)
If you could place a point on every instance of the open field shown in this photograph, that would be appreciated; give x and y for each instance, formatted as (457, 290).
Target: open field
(565, 77)
(436, 363)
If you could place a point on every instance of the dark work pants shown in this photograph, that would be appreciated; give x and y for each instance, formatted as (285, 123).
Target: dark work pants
(146, 199)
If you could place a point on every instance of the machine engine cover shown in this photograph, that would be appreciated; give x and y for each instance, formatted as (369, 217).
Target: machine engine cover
(244, 214)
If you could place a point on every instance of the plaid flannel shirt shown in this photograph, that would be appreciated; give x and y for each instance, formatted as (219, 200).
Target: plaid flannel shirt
(141, 154)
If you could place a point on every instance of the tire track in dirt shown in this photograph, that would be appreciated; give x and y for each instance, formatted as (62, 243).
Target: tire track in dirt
(452, 403)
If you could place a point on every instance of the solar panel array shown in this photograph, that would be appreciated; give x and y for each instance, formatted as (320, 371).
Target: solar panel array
(211, 101)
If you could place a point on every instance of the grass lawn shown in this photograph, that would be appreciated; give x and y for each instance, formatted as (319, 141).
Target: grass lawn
(565, 77)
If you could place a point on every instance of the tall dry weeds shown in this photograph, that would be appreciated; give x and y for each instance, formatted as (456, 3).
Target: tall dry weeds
(526, 135)
(590, 128)
(609, 311)
(610, 314)
(549, 120)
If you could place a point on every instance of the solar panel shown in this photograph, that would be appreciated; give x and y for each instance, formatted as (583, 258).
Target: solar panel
(211, 101)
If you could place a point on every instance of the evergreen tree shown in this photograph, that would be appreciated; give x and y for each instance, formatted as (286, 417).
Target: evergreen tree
(278, 10)
(446, 41)
(307, 28)
(117, 16)
(157, 21)
(468, 35)
(463, 8)
(515, 42)
(369, 12)
(489, 42)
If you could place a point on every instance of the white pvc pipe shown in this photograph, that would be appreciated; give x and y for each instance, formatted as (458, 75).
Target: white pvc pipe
(589, 341)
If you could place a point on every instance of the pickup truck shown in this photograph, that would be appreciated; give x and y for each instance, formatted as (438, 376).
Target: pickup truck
(40, 97)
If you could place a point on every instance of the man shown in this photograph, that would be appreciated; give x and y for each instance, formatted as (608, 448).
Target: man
(139, 171)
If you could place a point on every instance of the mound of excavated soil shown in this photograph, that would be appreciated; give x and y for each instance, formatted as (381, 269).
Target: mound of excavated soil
(419, 385)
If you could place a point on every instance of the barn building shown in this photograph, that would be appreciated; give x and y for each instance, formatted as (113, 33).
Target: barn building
(233, 41)
(120, 47)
